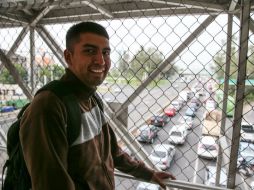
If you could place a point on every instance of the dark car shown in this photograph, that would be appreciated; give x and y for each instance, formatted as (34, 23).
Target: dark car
(159, 120)
(245, 160)
(193, 105)
(148, 133)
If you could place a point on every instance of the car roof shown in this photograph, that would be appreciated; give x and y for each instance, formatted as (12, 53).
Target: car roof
(246, 123)
(246, 145)
(144, 127)
(208, 140)
(187, 117)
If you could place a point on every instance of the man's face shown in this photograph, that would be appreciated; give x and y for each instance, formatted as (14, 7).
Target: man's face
(89, 59)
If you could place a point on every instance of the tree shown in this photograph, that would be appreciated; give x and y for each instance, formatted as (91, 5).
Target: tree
(123, 63)
(50, 72)
(6, 77)
(220, 61)
(146, 61)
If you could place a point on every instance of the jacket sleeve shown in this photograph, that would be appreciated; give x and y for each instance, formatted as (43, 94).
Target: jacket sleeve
(44, 142)
(126, 163)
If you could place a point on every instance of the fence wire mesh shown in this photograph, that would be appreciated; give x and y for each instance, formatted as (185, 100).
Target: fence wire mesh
(172, 85)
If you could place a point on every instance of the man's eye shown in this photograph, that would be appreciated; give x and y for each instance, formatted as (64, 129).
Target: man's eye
(106, 53)
(90, 51)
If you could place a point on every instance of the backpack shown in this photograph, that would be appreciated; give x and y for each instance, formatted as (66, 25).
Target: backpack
(17, 176)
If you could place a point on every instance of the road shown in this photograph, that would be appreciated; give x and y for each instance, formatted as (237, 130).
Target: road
(186, 165)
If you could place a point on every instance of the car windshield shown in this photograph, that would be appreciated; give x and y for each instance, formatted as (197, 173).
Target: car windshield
(176, 133)
(247, 128)
(209, 147)
(157, 118)
(250, 160)
(246, 148)
(144, 133)
(159, 154)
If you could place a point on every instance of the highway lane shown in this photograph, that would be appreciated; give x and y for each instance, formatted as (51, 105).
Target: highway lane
(186, 165)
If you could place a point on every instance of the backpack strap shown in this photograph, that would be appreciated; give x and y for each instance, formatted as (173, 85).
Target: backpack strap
(71, 103)
(99, 101)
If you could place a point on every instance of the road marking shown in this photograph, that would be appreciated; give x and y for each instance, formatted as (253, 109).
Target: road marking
(195, 171)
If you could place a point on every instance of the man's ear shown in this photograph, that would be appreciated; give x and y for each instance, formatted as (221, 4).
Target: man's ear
(67, 56)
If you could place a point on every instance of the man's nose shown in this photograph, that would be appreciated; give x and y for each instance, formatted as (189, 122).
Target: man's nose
(99, 58)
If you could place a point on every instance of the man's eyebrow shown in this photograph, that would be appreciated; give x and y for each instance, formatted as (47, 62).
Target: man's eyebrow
(90, 45)
(94, 46)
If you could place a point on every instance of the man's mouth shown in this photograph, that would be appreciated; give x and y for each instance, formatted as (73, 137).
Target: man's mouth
(98, 70)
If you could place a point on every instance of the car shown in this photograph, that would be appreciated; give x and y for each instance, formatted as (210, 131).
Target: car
(193, 105)
(247, 132)
(6, 109)
(117, 90)
(197, 101)
(159, 120)
(183, 95)
(178, 134)
(210, 105)
(170, 111)
(245, 153)
(188, 120)
(245, 165)
(176, 104)
(162, 155)
(148, 133)
(148, 186)
(181, 101)
(190, 95)
(252, 185)
(208, 147)
(190, 112)
(210, 176)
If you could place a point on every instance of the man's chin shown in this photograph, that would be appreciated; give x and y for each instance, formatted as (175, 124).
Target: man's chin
(96, 83)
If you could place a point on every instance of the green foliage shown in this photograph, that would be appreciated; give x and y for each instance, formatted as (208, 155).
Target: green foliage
(50, 72)
(141, 65)
(6, 77)
(220, 61)
(219, 67)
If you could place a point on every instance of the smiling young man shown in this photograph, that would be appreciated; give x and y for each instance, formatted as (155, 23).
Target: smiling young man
(89, 162)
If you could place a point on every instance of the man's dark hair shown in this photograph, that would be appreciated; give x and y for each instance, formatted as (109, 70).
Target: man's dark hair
(73, 34)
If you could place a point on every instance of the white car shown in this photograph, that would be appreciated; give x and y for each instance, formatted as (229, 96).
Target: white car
(210, 105)
(117, 90)
(186, 120)
(178, 134)
(148, 186)
(162, 155)
(208, 147)
(177, 105)
(210, 176)
(252, 185)
(247, 132)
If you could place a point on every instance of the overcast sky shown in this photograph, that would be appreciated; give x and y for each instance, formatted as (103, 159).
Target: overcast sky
(164, 33)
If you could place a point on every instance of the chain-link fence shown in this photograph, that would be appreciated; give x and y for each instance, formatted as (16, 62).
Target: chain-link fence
(179, 94)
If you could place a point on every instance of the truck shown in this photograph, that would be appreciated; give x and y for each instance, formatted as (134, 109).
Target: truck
(211, 123)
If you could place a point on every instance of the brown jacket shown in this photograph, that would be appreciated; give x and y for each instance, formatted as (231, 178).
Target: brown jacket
(89, 162)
